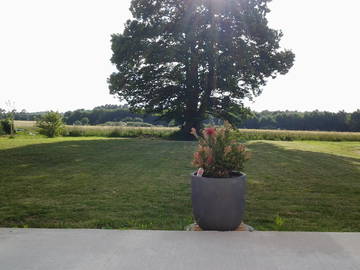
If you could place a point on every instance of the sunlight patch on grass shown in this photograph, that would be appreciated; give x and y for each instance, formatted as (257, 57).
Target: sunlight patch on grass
(345, 149)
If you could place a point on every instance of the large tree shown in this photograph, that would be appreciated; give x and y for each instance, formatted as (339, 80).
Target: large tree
(187, 59)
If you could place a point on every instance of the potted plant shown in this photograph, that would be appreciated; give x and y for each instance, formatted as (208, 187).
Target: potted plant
(219, 186)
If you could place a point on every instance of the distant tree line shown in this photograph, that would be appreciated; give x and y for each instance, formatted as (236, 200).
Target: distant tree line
(290, 120)
(98, 115)
(315, 120)
(108, 113)
(23, 115)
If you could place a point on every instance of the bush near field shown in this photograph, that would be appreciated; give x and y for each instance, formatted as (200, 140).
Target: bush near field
(6, 126)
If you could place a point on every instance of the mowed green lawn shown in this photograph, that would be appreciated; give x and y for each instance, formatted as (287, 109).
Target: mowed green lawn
(144, 184)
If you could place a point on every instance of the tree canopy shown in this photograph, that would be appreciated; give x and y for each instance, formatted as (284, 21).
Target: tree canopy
(187, 59)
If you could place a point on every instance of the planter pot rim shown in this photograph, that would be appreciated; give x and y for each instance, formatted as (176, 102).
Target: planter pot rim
(234, 176)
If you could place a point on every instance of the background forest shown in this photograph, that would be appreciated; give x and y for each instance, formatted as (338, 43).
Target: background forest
(118, 115)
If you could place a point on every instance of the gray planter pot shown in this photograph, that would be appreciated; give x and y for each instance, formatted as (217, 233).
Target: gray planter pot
(218, 203)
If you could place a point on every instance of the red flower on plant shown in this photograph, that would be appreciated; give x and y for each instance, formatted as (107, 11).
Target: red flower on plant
(197, 156)
(210, 131)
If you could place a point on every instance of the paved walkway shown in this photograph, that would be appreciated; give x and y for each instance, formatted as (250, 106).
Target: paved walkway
(30, 249)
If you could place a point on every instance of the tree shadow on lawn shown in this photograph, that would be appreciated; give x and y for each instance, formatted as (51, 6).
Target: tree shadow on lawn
(144, 184)
(309, 191)
(108, 183)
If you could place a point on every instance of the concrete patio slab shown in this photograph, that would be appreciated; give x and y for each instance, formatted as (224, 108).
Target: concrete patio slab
(30, 249)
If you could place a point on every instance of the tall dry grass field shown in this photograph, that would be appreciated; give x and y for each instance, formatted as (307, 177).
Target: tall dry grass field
(25, 124)
(111, 131)
(296, 135)
(163, 132)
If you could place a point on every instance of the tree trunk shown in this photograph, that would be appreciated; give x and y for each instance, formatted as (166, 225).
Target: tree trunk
(192, 120)
(192, 117)
(192, 123)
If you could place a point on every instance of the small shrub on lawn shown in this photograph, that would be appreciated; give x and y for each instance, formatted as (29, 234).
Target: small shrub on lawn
(51, 124)
(6, 126)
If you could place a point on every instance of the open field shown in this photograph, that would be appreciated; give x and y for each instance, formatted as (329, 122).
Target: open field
(105, 131)
(92, 182)
(24, 124)
(245, 134)
(110, 131)
(297, 135)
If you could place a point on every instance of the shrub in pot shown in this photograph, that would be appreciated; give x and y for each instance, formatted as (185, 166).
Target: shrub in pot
(219, 186)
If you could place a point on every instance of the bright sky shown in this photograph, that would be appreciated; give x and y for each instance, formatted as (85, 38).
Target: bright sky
(54, 54)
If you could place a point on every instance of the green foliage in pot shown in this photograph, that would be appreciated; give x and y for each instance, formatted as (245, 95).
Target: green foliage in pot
(218, 155)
